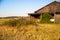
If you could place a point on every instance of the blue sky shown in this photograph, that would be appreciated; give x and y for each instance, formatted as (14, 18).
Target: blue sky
(21, 7)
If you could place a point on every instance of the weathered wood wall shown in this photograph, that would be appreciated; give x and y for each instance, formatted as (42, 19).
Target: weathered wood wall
(57, 17)
(50, 8)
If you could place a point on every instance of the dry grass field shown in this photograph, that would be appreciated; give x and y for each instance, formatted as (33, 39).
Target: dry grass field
(31, 32)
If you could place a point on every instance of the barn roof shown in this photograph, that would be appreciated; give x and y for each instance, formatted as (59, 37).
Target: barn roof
(46, 5)
(33, 14)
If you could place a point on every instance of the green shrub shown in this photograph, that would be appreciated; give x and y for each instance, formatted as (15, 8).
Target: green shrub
(10, 23)
(19, 22)
(46, 18)
(26, 22)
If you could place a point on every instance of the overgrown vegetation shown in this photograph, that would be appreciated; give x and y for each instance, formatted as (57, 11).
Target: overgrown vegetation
(10, 22)
(30, 32)
(19, 22)
(41, 32)
(45, 18)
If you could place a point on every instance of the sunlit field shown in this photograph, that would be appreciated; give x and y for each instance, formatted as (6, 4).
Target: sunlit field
(30, 32)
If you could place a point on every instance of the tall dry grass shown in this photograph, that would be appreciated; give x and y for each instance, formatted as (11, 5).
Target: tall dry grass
(31, 32)
(22, 29)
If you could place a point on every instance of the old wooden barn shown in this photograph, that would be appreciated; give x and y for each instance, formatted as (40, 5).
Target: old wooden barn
(52, 8)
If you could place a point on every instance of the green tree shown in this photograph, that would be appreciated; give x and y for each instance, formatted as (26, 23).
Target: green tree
(45, 18)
